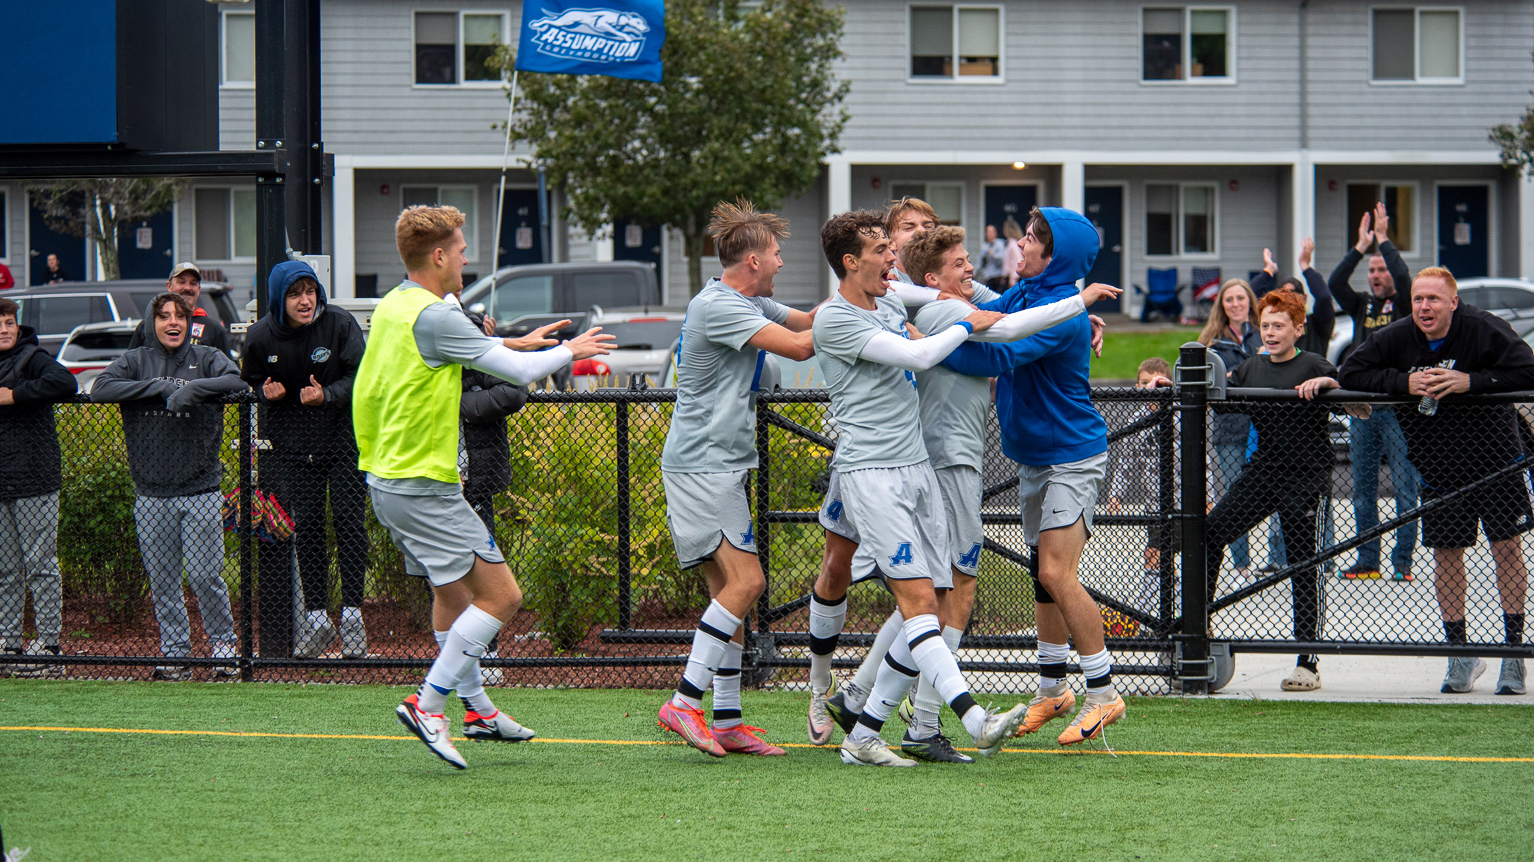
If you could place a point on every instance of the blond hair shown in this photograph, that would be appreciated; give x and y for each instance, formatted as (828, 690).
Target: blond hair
(1439, 272)
(923, 253)
(898, 208)
(738, 229)
(422, 230)
(1219, 321)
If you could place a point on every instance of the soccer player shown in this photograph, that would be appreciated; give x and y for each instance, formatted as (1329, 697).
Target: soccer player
(405, 408)
(953, 411)
(1049, 426)
(710, 450)
(904, 219)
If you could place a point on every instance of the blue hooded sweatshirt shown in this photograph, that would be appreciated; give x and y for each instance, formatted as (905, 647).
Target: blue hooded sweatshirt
(1043, 393)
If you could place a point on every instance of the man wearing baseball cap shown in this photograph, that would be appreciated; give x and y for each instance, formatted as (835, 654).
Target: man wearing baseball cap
(186, 280)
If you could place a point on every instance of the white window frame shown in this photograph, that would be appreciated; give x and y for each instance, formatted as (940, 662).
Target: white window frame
(1418, 81)
(192, 196)
(1421, 203)
(223, 51)
(458, 63)
(470, 254)
(927, 184)
(1187, 48)
(1179, 237)
(1001, 47)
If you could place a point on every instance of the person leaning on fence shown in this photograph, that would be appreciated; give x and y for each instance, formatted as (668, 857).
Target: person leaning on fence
(302, 358)
(1289, 472)
(186, 280)
(405, 409)
(30, 479)
(169, 391)
(1379, 437)
(1447, 348)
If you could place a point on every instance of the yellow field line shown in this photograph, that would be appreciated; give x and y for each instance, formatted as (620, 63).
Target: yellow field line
(1231, 754)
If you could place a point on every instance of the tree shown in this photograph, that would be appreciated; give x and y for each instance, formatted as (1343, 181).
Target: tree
(749, 107)
(98, 209)
(1516, 141)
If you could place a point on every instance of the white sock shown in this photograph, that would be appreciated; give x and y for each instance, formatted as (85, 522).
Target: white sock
(868, 672)
(351, 614)
(897, 672)
(1098, 667)
(708, 647)
(466, 642)
(727, 688)
(318, 618)
(937, 663)
(826, 621)
(925, 701)
(471, 689)
(1053, 654)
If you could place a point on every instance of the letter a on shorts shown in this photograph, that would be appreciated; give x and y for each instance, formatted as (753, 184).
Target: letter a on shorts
(902, 554)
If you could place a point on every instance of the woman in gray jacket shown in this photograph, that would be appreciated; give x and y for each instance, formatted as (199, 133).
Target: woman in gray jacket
(173, 425)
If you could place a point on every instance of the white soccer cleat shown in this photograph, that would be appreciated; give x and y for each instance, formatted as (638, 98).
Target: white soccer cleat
(430, 729)
(820, 723)
(998, 728)
(871, 751)
(498, 727)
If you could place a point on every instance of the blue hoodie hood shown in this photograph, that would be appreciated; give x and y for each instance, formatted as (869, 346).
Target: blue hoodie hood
(1076, 246)
(277, 284)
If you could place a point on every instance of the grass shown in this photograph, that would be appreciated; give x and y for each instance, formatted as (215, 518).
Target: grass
(1124, 351)
(88, 795)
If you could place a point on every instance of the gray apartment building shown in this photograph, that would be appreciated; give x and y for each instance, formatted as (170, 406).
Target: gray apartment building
(1193, 135)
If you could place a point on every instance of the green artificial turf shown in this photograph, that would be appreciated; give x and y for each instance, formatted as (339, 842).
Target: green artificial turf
(1124, 351)
(88, 795)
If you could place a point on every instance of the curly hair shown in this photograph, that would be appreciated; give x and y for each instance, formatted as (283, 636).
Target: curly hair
(843, 234)
(1285, 301)
(923, 253)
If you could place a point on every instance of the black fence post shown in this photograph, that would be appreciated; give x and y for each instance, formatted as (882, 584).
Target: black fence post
(1166, 490)
(763, 507)
(625, 597)
(1195, 668)
(244, 532)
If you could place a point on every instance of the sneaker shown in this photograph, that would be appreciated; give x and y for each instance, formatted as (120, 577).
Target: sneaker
(1303, 679)
(998, 727)
(1510, 681)
(907, 712)
(1096, 713)
(871, 751)
(491, 675)
(228, 651)
(1463, 672)
(497, 727)
(743, 739)
(691, 726)
(821, 722)
(838, 710)
(431, 729)
(1050, 703)
(315, 635)
(37, 671)
(171, 673)
(1359, 571)
(354, 636)
(1402, 574)
(936, 748)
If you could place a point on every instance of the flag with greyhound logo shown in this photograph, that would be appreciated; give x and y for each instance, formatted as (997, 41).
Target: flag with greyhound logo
(617, 38)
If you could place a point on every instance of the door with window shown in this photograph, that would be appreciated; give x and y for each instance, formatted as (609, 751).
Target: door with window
(636, 242)
(521, 239)
(42, 241)
(1009, 202)
(1464, 218)
(1105, 208)
(145, 248)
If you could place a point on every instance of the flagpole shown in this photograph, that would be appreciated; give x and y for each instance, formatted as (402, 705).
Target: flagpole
(500, 198)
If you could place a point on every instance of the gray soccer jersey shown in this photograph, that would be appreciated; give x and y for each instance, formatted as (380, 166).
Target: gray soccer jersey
(713, 428)
(875, 405)
(954, 406)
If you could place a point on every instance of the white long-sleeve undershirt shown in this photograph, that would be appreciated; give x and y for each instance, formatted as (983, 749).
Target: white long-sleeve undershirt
(522, 367)
(887, 348)
(1031, 321)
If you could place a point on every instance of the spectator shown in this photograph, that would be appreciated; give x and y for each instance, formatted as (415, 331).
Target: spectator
(1014, 253)
(1379, 437)
(1136, 474)
(1289, 472)
(301, 358)
(30, 382)
(55, 273)
(7, 281)
(993, 260)
(169, 391)
(1445, 349)
(186, 280)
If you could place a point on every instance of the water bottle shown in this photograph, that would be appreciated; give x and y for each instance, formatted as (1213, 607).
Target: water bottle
(1428, 406)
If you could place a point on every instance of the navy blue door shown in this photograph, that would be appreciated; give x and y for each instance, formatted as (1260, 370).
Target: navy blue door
(1464, 219)
(1004, 202)
(153, 259)
(43, 241)
(521, 239)
(636, 242)
(1105, 208)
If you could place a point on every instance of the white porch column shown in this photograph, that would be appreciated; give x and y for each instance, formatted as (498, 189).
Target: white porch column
(838, 200)
(343, 222)
(1302, 201)
(1073, 186)
(1526, 227)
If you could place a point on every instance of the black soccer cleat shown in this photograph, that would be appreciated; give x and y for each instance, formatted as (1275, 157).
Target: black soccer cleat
(934, 749)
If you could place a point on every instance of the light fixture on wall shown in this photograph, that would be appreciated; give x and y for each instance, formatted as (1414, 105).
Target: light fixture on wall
(1331, 185)
(1235, 185)
(876, 182)
(384, 189)
(1017, 166)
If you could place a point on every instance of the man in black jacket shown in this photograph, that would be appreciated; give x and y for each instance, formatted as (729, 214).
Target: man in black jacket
(301, 358)
(1448, 348)
(1379, 437)
(186, 280)
(30, 382)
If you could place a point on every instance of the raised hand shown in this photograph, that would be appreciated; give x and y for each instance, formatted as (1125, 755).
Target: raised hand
(591, 343)
(1381, 223)
(312, 395)
(982, 320)
(1365, 235)
(538, 338)
(1268, 265)
(1097, 292)
(1307, 252)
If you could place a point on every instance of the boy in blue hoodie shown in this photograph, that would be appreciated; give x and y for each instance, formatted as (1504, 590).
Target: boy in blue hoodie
(1049, 426)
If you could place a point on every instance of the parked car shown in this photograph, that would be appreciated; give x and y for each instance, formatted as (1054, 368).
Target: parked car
(522, 298)
(53, 311)
(91, 347)
(646, 338)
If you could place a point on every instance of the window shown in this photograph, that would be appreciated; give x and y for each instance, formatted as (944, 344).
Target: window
(456, 47)
(529, 294)
(225, 224)
(465, 198)
(1188, 43)
(1181, 219)
(239, 54)
(1400, 204)
(1421, 44)
(607, 290)
(947, 199)
(939, 34)
(57, 315)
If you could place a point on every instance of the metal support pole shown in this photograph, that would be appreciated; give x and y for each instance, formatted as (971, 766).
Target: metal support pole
(1166, 454)
(544, 233)
(1195, 668)
(763, 506)
(625, 596)
(247, 579)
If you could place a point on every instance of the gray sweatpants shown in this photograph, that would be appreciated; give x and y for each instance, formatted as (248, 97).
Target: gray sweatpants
(190, 529)
(29, 559)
